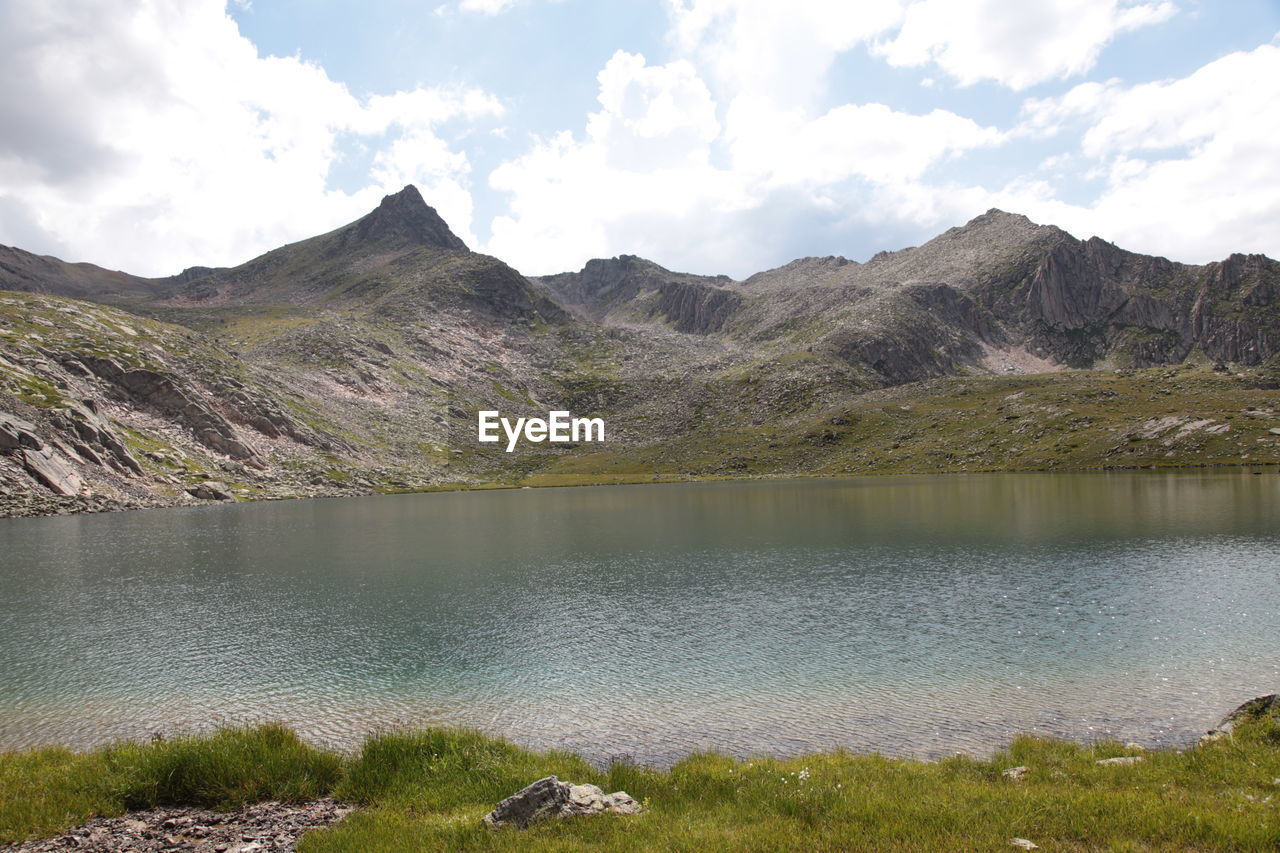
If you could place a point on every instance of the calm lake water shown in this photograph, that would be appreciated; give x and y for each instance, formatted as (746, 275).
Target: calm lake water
(914, 616)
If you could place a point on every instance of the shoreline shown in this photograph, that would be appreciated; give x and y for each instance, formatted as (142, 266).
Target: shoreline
(52, 506)
(655, 758)
(429, 788)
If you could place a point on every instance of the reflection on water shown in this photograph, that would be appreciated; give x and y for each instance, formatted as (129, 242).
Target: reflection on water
(913, 615)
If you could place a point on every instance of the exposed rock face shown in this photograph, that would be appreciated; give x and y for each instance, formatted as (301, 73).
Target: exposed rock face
(1078, 285)
(99, 442)
(697, 308)
(1000, 280)
(51, 469)
(602, 283)
(1083, 301)
(549, 797)
(156, 389)
(1235, 313)
(623, 286)
(937, 330)
(19, 438)
(1075, 302)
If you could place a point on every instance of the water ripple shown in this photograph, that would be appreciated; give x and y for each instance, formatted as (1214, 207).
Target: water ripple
(911, 616)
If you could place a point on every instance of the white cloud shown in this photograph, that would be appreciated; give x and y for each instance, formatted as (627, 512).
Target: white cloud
(653, 116)
(645, 156)
(869, 141)
(657, 175)
(783, 51)
(771, 50)
(152, 136)
(1013, 42)
(1189, 164)
(721, 175)
(486, 7)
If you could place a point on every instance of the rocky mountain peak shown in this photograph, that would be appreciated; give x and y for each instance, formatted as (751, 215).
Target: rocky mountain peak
(996, 213)
(406, 218)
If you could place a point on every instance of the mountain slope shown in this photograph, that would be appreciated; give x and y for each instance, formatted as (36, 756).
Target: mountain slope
(24, 271)
(357, 361)
(304, 272)
(998, 290)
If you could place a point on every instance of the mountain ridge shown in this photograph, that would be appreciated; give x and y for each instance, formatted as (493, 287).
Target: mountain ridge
(356, 361)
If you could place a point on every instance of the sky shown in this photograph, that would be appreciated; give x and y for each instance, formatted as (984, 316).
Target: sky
(711, 136)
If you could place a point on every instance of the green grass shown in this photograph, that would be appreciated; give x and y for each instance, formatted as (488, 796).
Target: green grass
(427, 790)
(46, 790)
(1073, 420)
(223, 770)
(43, 791)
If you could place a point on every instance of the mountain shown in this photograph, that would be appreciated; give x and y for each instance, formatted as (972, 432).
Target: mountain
(625, 288)
(320, 267)
(24, 271)
(1000, 289)
(356, 361)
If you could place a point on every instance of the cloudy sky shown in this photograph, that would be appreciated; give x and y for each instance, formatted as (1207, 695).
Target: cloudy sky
(709, 135)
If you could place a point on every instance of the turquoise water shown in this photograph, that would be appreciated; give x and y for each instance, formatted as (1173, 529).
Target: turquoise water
(914, 616)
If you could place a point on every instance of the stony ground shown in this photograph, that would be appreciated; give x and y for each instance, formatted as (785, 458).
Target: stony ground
(260, 828)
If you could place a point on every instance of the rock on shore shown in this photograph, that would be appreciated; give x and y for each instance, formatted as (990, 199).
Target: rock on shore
(549, 797)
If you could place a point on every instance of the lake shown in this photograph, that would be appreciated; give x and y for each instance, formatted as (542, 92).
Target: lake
(909, 615)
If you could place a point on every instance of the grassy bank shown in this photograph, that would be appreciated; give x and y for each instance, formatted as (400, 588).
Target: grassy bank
(428, 790)
(43, 791)
(1177, 417)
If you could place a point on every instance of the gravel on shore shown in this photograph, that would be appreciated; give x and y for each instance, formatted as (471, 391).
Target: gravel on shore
(259, 828)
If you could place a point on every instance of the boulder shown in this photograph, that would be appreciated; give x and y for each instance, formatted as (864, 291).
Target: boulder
(211, 491)
(49, 469)
(1120, 760)
(1254, 709)
(588, 799)
(549, 797)
(16, 433)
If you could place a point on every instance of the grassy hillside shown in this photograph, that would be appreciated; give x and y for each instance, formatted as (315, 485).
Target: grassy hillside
(277, 402)
(1073, 420)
